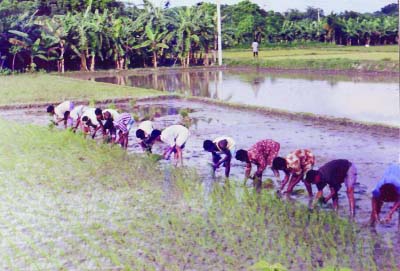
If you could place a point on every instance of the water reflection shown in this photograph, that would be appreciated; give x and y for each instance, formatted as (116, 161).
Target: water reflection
(371, 99)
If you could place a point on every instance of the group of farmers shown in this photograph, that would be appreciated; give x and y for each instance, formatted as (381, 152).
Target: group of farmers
(297, 165)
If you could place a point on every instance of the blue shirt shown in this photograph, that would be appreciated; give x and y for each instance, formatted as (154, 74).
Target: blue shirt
(391, 176)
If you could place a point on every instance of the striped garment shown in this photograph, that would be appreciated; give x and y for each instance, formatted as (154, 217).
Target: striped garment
(123, 122)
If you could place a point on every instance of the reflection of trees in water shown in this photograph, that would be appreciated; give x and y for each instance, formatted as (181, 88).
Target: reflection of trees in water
(149, 112)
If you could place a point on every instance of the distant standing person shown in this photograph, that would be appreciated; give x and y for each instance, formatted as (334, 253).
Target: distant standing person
(254, 45)
(59, 112)
(261, 154)
(175, 136)
(334, 174)
(295, 165)
(223, 145)
(386, 190)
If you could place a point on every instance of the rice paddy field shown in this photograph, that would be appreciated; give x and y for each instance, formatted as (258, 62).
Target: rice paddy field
(70, 203)
(73, 204)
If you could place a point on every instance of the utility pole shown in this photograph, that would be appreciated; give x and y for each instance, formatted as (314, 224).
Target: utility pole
(219, 33)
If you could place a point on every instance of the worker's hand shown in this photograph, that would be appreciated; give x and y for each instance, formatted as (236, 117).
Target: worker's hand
(387, 218)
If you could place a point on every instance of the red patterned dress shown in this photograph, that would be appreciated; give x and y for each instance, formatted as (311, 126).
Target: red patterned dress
(262, 154)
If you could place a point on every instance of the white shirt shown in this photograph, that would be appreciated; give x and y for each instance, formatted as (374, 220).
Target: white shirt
(60, 109)
(91, 115)
(114, 114)
(255, 46)
(147, 127)
(231, 142)
(175, 135)
(77, 112)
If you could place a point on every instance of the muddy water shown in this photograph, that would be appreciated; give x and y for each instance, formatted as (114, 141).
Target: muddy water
(371, 150)
(357, 97)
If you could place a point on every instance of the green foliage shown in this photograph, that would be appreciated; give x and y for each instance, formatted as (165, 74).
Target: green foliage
(265, 266)
(100, 32)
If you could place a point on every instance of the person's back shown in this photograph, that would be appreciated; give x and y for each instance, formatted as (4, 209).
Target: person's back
(114, 113)
(230, 142)
(170, 134)
(334, 172)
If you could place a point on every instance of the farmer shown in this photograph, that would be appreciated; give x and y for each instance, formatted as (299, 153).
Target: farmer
(74, 116)
(143, 134)
(386, 190)
(59, 111)
(254, 45)
(295, 165)
(261, 154)
(334, 173)
(89, 120)
(123, 123)
(175, 136)
(221, 145)
(104, 116)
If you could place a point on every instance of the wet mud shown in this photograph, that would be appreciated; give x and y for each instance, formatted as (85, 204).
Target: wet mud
(372, 150)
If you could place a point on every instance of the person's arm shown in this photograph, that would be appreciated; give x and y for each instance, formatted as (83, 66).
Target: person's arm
(285, 180)
(228, 156)
(294, 180)
(309, 189)
(350, 196)
(391, 212)
(167, 152)
(375, 211)
(179, 157)
(333, 192)
(247, 172)
(78, 121)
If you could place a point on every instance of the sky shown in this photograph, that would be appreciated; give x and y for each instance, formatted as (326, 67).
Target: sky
(283, 5)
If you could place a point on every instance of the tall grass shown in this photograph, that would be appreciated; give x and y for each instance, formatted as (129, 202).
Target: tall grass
(28, 88)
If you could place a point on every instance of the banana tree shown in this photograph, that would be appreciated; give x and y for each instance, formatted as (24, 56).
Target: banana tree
(187, 33)
(155, 41)
(32, 48)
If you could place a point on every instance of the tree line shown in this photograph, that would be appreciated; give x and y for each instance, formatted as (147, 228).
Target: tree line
(86, 35)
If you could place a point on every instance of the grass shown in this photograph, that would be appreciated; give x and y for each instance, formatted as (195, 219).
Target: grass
(380, 58)
(31, 88)
(71, 203)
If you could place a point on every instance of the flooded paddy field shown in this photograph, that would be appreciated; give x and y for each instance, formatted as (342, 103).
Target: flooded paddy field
(364, 97)
(370, 148)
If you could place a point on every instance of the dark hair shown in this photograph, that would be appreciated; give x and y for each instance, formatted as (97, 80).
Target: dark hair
(85, 118)
(208, 145)
(98, 111)
(242, 155)
(310, 176)
(140, 134)
(154, 134)
(50, 109)
(279, 163)
(66, 115)
(388, 192)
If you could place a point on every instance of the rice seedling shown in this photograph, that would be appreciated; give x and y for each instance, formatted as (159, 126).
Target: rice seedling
(126, 211)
